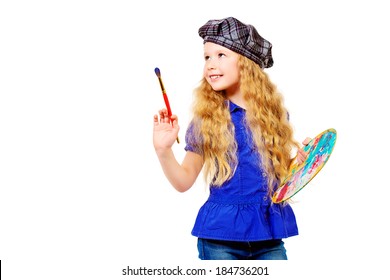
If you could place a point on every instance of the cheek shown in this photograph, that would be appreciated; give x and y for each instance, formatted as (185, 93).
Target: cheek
(206, 77)
(236, 76)
(205, 72)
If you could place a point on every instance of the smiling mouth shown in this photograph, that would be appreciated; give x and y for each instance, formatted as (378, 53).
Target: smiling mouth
(214, 77)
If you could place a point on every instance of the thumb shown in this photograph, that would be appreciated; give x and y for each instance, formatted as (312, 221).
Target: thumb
(306, 141)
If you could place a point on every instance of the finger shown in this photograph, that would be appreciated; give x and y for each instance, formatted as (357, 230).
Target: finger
(300, 159)
(163, 111)
(306, 141)
(174, 119)
(155, 120)
(302, 155)
(163, 116)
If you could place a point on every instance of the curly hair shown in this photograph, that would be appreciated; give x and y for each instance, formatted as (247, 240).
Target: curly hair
(266, 118)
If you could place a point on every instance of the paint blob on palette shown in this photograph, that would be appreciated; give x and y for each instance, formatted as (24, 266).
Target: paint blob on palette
(319, 150)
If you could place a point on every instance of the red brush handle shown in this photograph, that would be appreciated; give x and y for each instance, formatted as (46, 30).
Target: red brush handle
(169, 110)
(167, 104)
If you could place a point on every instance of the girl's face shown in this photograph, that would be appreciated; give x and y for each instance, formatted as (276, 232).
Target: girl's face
(221, 68)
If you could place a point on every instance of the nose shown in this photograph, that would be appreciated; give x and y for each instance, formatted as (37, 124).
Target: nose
(211, 64)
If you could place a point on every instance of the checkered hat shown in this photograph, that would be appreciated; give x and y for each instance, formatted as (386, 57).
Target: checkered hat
(238, 37)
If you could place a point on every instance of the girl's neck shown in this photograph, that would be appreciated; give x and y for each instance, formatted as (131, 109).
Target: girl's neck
(238, 100)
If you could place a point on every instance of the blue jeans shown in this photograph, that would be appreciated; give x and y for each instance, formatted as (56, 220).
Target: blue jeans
(232, 250)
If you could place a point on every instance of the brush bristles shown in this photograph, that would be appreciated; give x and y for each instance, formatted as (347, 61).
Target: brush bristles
(157, 71)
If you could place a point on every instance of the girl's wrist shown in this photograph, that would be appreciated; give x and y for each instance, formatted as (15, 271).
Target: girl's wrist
(163, 151)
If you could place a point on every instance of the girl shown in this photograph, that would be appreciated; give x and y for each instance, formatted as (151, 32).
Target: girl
(241, 137)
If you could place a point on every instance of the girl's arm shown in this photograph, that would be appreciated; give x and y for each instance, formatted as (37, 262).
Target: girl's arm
(181, 176)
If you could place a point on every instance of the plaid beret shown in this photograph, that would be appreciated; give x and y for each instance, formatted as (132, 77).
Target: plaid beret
(238, 37)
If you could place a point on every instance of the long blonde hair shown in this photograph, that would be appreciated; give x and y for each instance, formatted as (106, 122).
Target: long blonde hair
(266, 118)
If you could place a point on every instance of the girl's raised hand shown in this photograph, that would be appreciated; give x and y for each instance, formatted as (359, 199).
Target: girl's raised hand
(165, 130)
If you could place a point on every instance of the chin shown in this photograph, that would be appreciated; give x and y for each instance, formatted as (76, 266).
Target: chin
(217, 88)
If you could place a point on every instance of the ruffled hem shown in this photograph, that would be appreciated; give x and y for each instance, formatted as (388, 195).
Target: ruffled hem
(245, 222)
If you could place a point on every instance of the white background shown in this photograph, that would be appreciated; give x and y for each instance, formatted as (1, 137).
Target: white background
(82, 194)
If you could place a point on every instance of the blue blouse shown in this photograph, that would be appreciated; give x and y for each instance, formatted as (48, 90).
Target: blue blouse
(241, 209)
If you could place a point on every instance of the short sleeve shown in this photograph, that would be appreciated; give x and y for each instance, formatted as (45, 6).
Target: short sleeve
(193, 140)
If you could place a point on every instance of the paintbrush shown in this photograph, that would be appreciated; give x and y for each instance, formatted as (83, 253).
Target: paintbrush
(158, 73)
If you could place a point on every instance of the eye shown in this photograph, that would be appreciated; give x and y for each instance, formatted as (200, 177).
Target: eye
(207, 57)
(221, 55)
